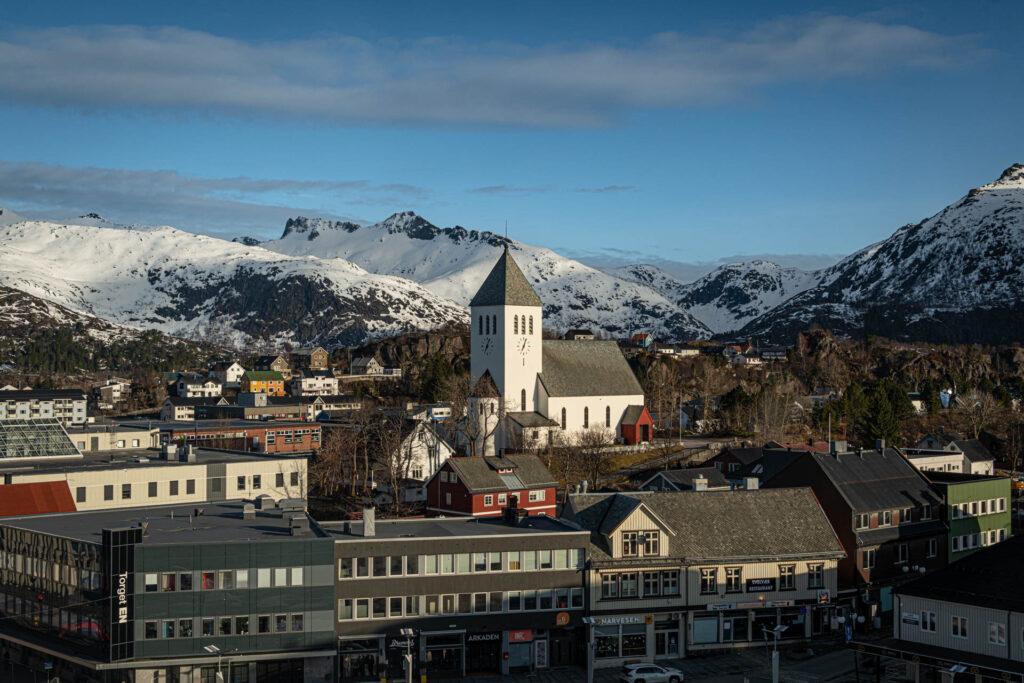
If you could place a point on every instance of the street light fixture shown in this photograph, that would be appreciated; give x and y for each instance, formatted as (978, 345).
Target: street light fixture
(589, 622)
(408, 634)
(214, 650)
(776, 632)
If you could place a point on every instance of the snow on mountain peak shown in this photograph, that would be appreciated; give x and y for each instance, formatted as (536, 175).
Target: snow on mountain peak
(1011, 179)
(8, 217)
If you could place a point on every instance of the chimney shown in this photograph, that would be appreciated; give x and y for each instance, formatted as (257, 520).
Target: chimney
(583, 486)
(298, 525)
(700, 483)
(751, 483)
(836, 447)
(879, 445)
(369, 522)
(248, 511)
(512, 515)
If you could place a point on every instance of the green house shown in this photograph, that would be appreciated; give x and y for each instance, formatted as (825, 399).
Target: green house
(977, 510)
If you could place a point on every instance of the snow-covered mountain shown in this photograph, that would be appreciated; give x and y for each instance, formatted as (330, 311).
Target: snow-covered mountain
(452, 262)
(728, 297)
(8, 217)
(957, 276)
(23, 315)
(200, 287)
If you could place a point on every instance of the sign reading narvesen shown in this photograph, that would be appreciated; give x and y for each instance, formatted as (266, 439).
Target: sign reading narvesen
(760, 585)
(615, 621)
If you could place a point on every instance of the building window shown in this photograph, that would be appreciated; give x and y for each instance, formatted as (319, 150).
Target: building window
(108, 492)
(152, 489)
(173, 487)
(815, 576)
(279, 479)
(867, 558)
(522, 400)
(996, 633)
(787, 577)
(708, 581)
(515, 324)
(536, 496)
(651, 542)
(488, 501)
(80, 494)
(885, 518)
(257, 481)
(607, 416)
(190, 486)
(959, 627)
(926, 512)
(531, 324)
(151, 630)
(629, 544)
(628, 585)
(480, 324)
(563, 419)
(126, 491)
(151, 583)
(652, 584)
(906, 516)
(295, 478)
(733, 579)
(241, 483)
(586, 417)
(928, 622)
(902, 553)
(933, 547)
(494, 324)
(670, 583)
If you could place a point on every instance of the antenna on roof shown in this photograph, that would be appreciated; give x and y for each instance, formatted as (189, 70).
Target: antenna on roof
(506, 228)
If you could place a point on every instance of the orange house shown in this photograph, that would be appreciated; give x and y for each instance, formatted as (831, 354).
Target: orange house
(263, 382)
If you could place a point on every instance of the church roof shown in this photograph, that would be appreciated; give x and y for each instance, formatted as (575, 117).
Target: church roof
(586, 368)
(506, 286)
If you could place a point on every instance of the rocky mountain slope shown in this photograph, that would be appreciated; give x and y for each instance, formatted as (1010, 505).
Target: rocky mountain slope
(452, 262)
(955, 277)
(204, 288)
(23, 315)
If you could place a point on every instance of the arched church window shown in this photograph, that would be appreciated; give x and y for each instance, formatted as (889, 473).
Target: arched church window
(607, 416)
(586, 417)
(481, 405)
(522, 399)
(492, 409)
(515, 324)
(531, 324)
(563, 419)
(494, 323)
(488, 324)
(480, 320)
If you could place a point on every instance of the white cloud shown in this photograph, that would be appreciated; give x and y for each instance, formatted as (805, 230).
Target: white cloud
(443, 81)
(222, 206)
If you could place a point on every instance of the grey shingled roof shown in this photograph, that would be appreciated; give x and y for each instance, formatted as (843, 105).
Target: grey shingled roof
(632, 414)
(762, 523)
(480, 477)
(872, 480)
(685, 477)
(586, 368)
(506, 285)
(974, 450)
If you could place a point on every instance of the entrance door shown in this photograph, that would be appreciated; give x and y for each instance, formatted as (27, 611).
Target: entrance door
(561, 646)
(666, 643)
(483, 653)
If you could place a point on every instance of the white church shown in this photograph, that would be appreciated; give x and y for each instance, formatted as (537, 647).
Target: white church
(531, 392)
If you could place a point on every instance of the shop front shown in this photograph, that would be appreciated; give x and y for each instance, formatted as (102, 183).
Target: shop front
(725, 624)
(444, 654)
(520, 650)
(361, 659)
(483, 652)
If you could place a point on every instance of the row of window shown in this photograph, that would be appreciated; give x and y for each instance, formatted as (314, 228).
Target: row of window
(977, 540)
(50, 571)
(869, 556)
(222, 626)
(120, 443)
(886, 517)
(459, 603)
(70, 623)
(637, 543)
(586, 417)
(786, 578)
(978, 507)
(293, 436)
(459, 563)
(488, 324)
(225, 579)
(629, 584)
(958, 628)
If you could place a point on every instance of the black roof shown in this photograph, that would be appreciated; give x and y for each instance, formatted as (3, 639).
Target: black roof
(21, 394)
(873, 480)
(772, 462)
(506, 285)
(684, 478)
(745, 455)
(480, 474)
(987, 578)
(974, 450)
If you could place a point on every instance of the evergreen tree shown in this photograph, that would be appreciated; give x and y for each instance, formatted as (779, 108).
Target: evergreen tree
(880, 421)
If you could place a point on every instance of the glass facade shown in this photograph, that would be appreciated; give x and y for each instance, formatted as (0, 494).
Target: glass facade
(34, 439)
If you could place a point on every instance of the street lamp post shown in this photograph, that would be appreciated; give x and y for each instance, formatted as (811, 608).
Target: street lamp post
(214, 650)
(409, 634)
(776, 632)
(590, 621)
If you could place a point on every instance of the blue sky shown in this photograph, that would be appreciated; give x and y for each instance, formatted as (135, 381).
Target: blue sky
(673, 133)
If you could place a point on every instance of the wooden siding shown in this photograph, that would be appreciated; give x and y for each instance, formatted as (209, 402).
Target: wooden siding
(978, 619)
(641, 520)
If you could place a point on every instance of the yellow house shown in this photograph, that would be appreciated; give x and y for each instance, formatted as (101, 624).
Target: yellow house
(263, 382)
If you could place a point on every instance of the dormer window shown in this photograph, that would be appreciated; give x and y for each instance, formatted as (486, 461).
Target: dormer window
(651, 542)
(637, 543)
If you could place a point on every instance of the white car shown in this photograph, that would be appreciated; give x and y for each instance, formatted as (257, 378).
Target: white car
(650, 673)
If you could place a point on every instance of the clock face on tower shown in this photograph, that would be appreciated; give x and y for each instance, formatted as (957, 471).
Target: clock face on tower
(486, 346)
(523, 346)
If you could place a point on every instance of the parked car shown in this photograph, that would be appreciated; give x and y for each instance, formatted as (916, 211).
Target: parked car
(650, 673)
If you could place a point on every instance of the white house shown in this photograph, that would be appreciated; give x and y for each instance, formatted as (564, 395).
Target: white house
(366, 366)
(192, 385)
(544, 388)
(314, 383)
(229, 373)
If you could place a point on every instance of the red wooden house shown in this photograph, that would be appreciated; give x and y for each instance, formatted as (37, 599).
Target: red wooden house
(637, 425)
(482, 486)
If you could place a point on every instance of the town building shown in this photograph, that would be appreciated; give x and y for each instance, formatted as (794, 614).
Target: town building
(731, 459)
(483, 486)
(66, 405)
(675, 573)
(314, 383)
(249, 436)
(263, 382)
(111, 392)
(977, 510)
(227, 372)
(480, 596)
(961, 622)
(169, 593)
(178, 408)
(949, 452)
(275, 363)
(111, 436)
(887, 517)
(370, 367)
(314, 358)
(193, 385)
(579, 335)
(687, 479)
(524, 382)
(404, 473)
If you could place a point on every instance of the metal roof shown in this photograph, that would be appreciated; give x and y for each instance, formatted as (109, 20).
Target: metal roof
(506, 285)
(586, 368)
